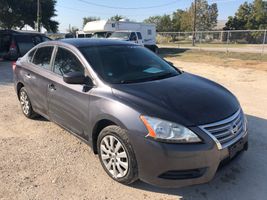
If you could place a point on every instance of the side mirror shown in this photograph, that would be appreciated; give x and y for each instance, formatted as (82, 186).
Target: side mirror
(74, 78)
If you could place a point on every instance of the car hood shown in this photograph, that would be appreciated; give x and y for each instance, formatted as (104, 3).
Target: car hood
(186, 99)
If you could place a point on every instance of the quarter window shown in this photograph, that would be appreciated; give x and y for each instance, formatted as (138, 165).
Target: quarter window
(66, 61)
(42, 57)
(30, 55)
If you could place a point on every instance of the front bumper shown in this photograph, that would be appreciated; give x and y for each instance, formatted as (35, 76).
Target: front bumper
(178, 165)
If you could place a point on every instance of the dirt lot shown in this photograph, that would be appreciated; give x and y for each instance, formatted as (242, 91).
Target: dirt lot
(39, 160)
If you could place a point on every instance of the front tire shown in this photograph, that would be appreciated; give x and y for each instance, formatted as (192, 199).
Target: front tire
(116, 154)
(25, 104)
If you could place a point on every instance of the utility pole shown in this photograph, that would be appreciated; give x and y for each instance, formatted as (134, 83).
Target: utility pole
(38, 16)
(194, 25)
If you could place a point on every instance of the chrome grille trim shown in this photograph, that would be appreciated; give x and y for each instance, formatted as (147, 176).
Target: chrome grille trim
(227, 131)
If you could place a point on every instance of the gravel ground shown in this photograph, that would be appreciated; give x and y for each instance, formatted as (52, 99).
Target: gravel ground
(40, 160)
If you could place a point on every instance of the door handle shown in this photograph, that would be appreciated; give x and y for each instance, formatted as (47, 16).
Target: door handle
(51, 86)
(28, 75)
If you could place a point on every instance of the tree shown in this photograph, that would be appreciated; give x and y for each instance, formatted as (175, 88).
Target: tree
(212, 15)
(259, 14)
(163, 23)
(187, 21)
(206, 15)
(233, 24)
(182, 20)
(249, 16)
(116, 18)
(17, 14)
(177, 19)
(153, 20)
(89, 19)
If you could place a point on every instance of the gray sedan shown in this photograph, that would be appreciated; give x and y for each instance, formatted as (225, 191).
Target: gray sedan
(145, 118)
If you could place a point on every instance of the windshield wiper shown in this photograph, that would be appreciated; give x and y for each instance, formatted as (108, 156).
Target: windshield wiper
(162, 76)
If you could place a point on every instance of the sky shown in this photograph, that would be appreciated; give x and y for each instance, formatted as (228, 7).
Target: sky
(71, 12)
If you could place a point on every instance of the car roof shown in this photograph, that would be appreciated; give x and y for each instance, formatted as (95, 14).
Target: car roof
(86, 42)
(20, 32)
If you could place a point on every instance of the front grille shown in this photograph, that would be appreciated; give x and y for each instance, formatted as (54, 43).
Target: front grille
(227, 131)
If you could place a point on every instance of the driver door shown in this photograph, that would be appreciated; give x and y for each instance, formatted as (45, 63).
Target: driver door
(68, 104)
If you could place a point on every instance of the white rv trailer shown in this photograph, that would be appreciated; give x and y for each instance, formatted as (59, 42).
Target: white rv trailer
(104, 28)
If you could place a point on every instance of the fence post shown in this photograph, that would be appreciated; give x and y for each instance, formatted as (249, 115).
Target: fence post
(179, 37)
(201, 35)
(228, 35)
(263, 43)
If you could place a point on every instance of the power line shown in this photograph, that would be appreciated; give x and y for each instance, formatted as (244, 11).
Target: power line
(128, 8)
(99, 13)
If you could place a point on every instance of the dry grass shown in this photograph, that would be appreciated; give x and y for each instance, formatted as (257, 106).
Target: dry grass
(235, 60)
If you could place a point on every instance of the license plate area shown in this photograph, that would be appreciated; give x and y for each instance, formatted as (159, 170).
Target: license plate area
(235, 148)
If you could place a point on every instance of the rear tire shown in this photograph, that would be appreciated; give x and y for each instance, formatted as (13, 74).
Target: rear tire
(25, 104)
(116, 155)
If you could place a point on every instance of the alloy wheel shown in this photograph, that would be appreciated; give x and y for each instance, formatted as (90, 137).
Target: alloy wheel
(25, 103)
(114, 156)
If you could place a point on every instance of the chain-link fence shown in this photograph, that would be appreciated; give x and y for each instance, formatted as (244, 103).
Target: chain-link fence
(250, 41)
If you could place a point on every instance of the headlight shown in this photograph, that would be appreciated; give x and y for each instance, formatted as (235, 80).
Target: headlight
(168, 131)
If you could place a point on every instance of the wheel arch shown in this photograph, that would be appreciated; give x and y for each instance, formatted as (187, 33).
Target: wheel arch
(19, 86)
(98, 127)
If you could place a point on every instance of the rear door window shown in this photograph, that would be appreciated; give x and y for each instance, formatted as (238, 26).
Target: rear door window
(36, 39)
(24, 42)
(5, 42)
(66, 61)
(42, 57)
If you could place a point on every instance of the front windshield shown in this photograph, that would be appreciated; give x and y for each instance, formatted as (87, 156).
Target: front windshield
(99, 35)
(121, 35)
(127, 64)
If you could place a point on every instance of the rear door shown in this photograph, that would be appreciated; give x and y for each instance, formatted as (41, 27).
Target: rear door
(68, 103)
(5, 42)
(37, 76)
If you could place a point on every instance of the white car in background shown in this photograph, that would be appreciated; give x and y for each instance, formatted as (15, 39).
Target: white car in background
(138, 32)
